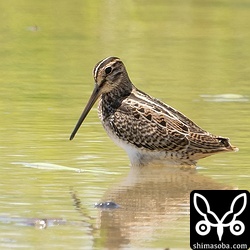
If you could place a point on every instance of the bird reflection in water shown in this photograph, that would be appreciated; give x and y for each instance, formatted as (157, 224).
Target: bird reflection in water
(150, 199)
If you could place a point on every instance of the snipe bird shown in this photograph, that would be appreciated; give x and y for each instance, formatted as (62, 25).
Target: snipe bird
(146, 128)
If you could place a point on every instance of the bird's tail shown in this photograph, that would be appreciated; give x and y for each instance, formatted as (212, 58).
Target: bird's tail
(227, 145)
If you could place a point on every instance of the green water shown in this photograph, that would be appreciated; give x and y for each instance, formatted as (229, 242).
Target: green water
(193, 55)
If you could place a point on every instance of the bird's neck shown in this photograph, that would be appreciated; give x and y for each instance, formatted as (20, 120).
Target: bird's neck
(113, 99)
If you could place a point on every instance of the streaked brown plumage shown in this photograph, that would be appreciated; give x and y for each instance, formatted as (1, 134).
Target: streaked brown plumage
(145, 127)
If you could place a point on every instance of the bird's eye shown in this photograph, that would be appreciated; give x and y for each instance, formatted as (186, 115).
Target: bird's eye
(108, 70)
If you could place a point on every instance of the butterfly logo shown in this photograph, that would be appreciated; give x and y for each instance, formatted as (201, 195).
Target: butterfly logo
(210, 219)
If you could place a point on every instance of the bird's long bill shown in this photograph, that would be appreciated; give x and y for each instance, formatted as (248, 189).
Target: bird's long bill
(96, 93)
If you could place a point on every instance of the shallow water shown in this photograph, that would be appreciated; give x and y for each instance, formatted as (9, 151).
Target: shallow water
(192, 55)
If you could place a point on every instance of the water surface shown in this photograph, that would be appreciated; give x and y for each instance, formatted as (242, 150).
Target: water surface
(192, 55)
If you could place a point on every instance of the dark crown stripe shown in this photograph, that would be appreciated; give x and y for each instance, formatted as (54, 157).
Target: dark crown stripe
(102, 63)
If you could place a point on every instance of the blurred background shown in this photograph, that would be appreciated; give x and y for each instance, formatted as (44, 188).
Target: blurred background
(192, 55)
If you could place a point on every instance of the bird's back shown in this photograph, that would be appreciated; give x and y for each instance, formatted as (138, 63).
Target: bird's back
(149, 125)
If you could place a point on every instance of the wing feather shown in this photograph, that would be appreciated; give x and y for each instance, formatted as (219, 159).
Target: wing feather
(148, 123)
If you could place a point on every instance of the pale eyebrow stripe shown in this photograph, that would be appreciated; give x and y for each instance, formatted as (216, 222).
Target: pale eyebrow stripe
(101, 63)
(97, 67)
